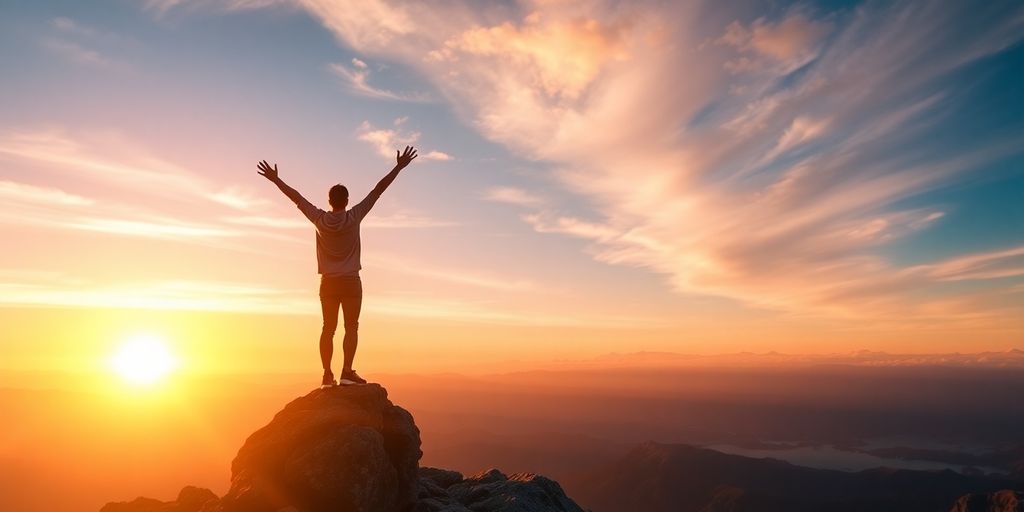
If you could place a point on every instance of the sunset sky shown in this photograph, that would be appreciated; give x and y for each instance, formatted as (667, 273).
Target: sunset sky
(697, 177)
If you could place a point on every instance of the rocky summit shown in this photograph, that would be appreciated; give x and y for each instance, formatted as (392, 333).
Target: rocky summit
(349, 449)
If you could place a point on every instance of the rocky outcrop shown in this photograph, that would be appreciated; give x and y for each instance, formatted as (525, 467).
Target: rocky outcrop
(1001, 501)
(342, 448)
(491, 490)
(349, 449)
(190, 499)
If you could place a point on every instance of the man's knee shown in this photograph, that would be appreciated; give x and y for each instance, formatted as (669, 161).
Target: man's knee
(329, 327)
(352, 326)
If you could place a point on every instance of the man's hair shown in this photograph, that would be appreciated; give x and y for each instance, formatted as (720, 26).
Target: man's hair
(338, 196)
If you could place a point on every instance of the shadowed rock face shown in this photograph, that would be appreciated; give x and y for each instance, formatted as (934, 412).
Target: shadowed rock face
(1002, 501)
(342, 448)
(349, 449)
(491, 490)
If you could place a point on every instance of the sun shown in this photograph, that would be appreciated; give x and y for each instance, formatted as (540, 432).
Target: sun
(143, 360)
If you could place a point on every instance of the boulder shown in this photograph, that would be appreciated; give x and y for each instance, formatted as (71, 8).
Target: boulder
(346, 448)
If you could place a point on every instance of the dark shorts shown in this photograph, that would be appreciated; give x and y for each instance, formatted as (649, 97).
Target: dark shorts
(341, 286)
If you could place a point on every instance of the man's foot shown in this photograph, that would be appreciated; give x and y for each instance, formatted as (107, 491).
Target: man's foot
(328, 380)
(350, 377)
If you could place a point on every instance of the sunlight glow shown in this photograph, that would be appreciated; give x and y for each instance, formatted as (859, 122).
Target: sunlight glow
(143, 360)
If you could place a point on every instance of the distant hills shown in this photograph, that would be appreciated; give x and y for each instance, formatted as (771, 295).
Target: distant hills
(656, 477)
(1012, 358)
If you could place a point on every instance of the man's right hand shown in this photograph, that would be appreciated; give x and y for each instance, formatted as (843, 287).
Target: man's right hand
(267, 171)
(405, 157)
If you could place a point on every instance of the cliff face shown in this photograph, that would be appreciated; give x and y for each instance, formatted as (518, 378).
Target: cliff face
(349, 449)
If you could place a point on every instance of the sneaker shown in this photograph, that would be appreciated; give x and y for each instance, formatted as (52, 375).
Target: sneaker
(328, 380)
(349, 377)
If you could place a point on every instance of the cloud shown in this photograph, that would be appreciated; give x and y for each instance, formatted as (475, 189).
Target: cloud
(269, 222)
(800, 131)
(467, 310)
(162, 7)
(387, 140)
(538, 48)
(70, 26)
(238, 197)
(512, 195)
(356, 78)
(402, 220)
(111, 159)
(160, 228)
(80, 43)
(437, 155)
(399, 220)
(79, 54)
(979, 266)
(25, 287)
(169, 294)
(791, 42)
(719, 166)
(460, 276)
(106, 165)
(14, 191)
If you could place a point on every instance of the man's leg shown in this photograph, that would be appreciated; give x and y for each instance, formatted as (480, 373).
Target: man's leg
(329, 306)
(351, 304)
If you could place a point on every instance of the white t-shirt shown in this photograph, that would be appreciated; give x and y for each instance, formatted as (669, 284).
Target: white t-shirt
(337, 236)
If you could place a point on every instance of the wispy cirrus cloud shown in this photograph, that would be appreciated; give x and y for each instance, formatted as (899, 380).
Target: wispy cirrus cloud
(81, 44)
(512, 195)
(784, 44)
(401, 220)
(14, 191)
(167, 294)
(117, 161)
(102, 166)
(79, 54)
(387, 140)
(978, 266)
(356, 77)
(26, 287)
(397, 220)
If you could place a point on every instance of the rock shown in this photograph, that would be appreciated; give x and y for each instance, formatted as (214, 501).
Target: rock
(521, 492)
(190, 499)
(1000, 501)
(444, 478)
(346, 448)
(349, 449)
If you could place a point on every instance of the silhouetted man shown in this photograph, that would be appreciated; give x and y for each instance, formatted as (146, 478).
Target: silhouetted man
(337, 259)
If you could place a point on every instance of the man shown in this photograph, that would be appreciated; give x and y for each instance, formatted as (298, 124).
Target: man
(337, 259)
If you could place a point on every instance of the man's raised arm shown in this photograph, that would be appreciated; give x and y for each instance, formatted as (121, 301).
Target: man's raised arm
(402, 160)
(270, 173)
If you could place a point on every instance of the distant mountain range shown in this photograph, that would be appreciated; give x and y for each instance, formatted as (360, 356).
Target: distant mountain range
(656, 477)
(1012, 358)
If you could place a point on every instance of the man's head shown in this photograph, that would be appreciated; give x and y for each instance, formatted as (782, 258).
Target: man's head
(338, 197)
